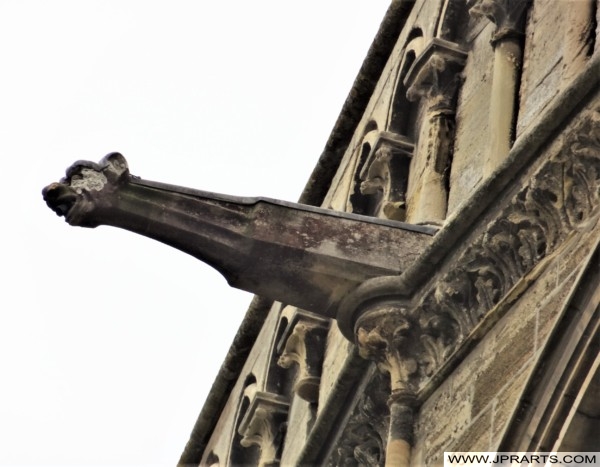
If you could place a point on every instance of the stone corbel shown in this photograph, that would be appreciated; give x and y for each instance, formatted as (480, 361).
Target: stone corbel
(507, 15)
(263, 426)
(303, 344)
(436, 74)
(385, 174)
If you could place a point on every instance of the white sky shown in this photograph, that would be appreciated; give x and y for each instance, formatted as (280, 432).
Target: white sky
(109, 342)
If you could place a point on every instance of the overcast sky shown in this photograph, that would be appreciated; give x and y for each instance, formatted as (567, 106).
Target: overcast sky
(109, 342)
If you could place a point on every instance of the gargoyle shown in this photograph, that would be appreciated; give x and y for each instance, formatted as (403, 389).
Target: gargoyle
(300, 255)
(86, 190)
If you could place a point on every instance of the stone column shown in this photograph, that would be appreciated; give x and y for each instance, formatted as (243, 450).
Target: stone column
(434, 78)
(303, 344)
(385, 335)
(508, 16)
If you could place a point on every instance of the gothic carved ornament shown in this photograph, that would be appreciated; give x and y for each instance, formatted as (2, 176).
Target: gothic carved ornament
(507, 15)
(303, 344)
(384, 176)
(327, 252)
(363, 440)
(435, 75)
(263, 426)
(411, 339)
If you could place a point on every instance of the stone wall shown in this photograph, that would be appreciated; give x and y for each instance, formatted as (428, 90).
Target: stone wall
(470, 411)
(472, 405)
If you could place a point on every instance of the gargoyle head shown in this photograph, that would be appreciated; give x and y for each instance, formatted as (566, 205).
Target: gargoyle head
(87, 188)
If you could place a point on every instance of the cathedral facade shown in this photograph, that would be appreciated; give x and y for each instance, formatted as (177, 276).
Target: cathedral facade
(474, 127)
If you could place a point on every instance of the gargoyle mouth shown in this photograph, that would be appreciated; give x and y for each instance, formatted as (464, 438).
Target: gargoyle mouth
(60, 198)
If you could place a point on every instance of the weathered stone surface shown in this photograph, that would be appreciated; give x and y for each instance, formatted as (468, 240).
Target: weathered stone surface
(542, 59)
(510, 350)
(463, 327)
(301, 255)
(338, 350)
(506, 405)
(476, 437)
(300, 421)
(472, 121)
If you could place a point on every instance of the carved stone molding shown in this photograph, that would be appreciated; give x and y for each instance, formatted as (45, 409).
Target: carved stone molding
(263, 426)
(507, 15)
(363, 440)
(412, 339)
(303, 344)
(560, 198)
(384, 176)
(435, 75)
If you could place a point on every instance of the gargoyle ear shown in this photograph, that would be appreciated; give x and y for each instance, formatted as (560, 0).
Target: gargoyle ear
(115, 164)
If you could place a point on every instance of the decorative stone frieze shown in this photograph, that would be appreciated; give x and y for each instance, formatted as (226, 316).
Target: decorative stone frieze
(412, 339)
(384, 176)
(560, 198)
(507, 15)
(263, 426)
(363, 441)
(303, 344)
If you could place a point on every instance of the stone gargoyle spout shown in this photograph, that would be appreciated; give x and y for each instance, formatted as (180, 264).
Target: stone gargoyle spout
(87, 190)
(300, 255)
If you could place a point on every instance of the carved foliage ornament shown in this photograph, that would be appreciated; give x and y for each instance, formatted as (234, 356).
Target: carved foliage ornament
(387, 337)
(562, 196)
(363, 441)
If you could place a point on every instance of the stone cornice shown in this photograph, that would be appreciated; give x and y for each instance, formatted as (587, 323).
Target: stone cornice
(537, 212)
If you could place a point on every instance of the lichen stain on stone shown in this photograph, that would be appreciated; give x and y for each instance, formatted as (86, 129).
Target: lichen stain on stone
(89, 179)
